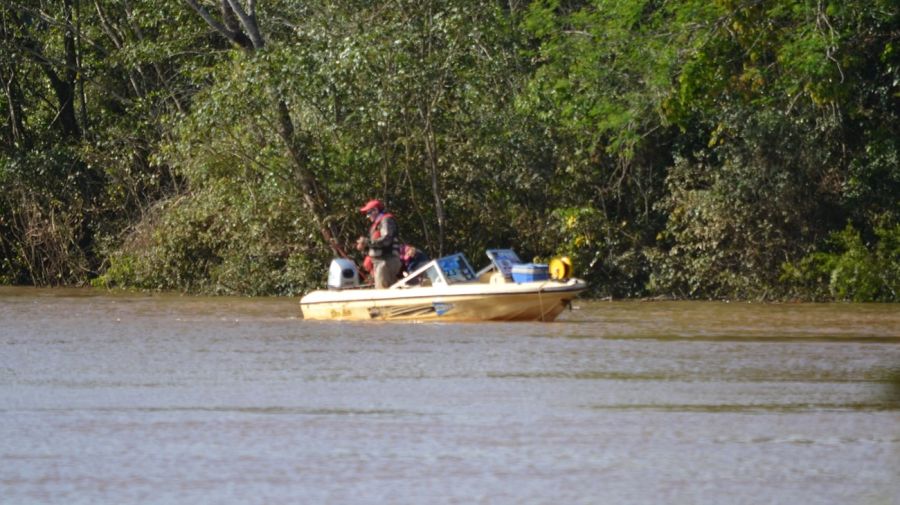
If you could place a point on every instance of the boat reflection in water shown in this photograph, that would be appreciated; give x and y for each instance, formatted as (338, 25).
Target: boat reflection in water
(449, 289)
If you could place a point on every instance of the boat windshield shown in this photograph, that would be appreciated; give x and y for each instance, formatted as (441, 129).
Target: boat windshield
(456, 268)
(453, 269)
(503, 261)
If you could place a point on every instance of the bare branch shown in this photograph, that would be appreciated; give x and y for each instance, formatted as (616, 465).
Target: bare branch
(233, 36)
(248, 21)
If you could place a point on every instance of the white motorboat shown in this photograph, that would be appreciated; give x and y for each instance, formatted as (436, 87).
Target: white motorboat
(448, 289)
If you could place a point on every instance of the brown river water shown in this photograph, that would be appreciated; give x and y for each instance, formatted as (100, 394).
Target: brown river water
(162, 399)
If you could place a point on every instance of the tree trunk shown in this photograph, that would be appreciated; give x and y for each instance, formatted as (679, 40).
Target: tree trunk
(14, 115)
(64, 84)
(66, 88)
(431, 151)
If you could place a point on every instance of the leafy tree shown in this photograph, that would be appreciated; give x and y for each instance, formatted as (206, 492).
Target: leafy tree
(45, 209)
(850, 269)
(792, 97)
(601, 86)
(407, 104)
(85, 91)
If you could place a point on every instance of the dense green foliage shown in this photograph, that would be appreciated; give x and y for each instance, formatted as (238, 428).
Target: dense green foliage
(703, 149)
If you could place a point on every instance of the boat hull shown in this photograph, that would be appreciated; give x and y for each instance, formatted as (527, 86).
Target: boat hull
(536, 301)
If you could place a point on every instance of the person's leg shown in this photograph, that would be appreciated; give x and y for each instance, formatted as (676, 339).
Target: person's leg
(381, 273)
(394, 265)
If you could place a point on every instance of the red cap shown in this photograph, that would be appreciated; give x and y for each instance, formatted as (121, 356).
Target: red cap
(372, 204)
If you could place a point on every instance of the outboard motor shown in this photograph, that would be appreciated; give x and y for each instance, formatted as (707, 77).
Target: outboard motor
(342, 274)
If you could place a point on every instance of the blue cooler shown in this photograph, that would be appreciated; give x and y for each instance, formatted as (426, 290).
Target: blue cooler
(530, 272)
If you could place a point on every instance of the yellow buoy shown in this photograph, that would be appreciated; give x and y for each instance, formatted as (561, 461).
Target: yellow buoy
(560, 268)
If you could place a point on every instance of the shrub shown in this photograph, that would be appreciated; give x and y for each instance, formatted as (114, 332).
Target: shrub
(850, 268)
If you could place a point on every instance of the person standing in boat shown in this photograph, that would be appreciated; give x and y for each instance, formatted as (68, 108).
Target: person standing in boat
(382, 243)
